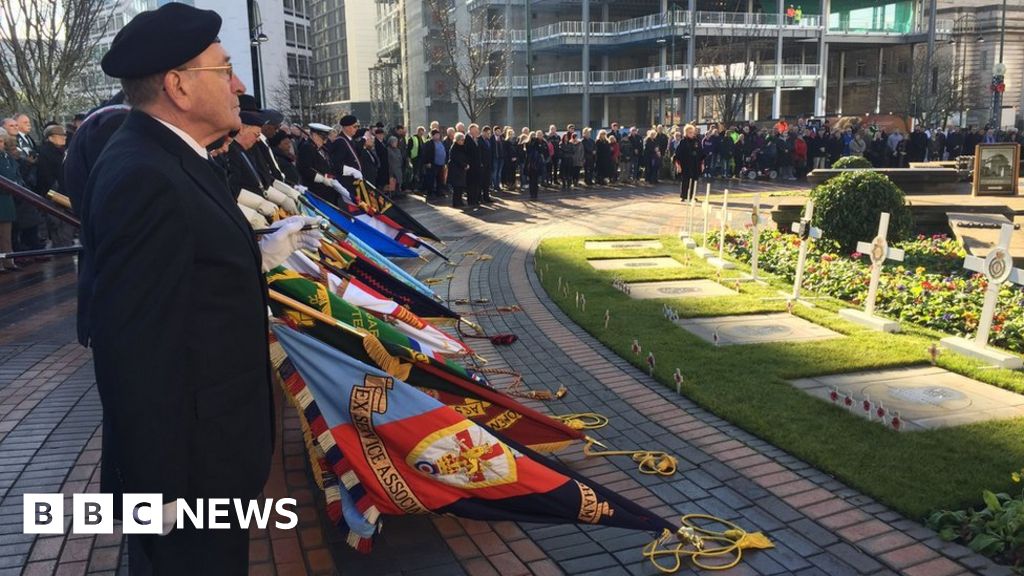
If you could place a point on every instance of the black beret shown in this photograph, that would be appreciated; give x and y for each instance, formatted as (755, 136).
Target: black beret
(272, 116)
(348, 120)
(247, 103)
(160, 40)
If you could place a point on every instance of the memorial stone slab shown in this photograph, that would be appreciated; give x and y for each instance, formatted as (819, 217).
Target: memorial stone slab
(622, 244)
(755, 329)
(926, 398)
(678, 289)
(635, 263)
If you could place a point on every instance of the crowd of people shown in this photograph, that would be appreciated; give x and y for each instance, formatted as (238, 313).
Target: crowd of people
(467, 163)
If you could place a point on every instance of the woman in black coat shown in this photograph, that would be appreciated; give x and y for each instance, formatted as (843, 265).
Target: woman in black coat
(651, 156)
(458, 167)
(605, 169)
(687, 160)
(511, 152)
(536, 159)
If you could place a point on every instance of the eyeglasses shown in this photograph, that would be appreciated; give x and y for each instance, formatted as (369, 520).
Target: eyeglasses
(227, 68)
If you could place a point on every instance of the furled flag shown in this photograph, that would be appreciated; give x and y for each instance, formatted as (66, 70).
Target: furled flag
(399, 451)
(358, 294)
(373, 238)
(345, 262)
(447, 381)
(371, 200)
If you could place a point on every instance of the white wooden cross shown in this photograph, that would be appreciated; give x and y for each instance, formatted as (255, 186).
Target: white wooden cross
(705, 208)
(688, 235)
(720, 262)
(805, 231)
(879, 251)
(755, 235)
(998, 269)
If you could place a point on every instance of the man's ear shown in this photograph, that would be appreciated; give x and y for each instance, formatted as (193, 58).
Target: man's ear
(178, 90)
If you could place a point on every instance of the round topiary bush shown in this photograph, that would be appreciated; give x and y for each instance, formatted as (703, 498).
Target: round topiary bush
(847, 207)
(852, 162)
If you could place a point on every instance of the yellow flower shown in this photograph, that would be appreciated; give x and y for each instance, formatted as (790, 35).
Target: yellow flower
(920, 270)
(1015, 477)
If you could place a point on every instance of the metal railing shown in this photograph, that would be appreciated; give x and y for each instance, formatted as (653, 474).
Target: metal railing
(653, 77)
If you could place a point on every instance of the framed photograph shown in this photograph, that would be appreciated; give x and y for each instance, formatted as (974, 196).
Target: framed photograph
(996, 169)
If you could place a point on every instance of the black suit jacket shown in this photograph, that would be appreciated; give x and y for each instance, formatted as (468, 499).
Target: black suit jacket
(242, 171)
(265, 163)
(345, 152)
(173, 301)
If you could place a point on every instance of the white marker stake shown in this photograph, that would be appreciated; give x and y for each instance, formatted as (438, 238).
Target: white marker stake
(998, 269)
(879, 251)
(607, 317)
(688, 241)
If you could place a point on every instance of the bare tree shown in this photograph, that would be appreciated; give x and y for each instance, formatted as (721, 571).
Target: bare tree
(934, 93)
(44, 45)
(475, 67)
(299, 100)
(728, 68)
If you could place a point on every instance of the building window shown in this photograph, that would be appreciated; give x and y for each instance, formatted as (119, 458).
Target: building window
(984, 60)
(861, 68)
(289, 34)
(293, 65)
(901, 66)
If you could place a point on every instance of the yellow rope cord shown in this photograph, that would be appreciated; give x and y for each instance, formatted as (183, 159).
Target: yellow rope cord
(583, 420)
(693, 544)
(648, 461)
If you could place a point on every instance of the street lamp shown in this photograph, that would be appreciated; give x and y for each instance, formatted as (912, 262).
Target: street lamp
(998, 74)
(256, 40)
(961, 26)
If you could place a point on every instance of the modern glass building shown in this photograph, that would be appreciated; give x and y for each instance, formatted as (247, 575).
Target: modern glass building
(592, 62)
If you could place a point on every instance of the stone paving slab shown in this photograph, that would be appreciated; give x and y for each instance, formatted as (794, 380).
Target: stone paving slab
(755, 329)
(678, 289)
(635, 263)
(926, 398)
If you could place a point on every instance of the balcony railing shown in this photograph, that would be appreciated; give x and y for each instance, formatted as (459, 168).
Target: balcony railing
(736, 75)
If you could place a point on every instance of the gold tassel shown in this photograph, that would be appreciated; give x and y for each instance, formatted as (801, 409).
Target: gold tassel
(693, 543)
(648, 461)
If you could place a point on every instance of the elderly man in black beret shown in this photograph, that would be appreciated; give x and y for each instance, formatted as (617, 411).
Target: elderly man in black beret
(172, 296)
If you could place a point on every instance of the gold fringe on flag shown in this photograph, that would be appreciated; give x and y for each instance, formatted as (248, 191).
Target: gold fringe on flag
(583, 420)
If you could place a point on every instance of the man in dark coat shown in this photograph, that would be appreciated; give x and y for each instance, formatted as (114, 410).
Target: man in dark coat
(90, 139)
(172, 296)
(474, 175)
(243, 167)
(315, 166)
(344, 153)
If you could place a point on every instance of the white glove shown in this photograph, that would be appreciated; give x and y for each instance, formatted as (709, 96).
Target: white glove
(321, 179)
(257, 203)
(350, 171)
(282, 200)
(254, 218)
(286, 189)
(288, 236)
(343, 191)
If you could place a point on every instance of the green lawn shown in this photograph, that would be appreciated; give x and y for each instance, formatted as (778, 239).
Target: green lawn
(914, 473)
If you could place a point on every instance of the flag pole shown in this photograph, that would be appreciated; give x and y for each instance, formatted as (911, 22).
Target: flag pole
(11, 187)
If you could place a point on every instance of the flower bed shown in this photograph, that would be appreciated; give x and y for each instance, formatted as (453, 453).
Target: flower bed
(930, 288)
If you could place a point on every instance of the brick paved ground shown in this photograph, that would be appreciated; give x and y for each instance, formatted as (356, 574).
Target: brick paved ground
(49, 434)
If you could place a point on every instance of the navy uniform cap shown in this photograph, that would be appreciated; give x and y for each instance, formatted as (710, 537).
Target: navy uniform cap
(273, 116)
(159, 40)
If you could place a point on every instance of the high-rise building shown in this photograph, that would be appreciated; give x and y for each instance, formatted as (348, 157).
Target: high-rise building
(344, 50)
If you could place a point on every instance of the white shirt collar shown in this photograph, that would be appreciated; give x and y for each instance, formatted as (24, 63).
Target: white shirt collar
(188, 139)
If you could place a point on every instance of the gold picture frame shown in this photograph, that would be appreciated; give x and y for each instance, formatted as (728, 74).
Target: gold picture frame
(996, 169)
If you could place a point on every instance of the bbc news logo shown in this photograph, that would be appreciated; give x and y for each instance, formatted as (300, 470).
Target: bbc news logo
(144, 513)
